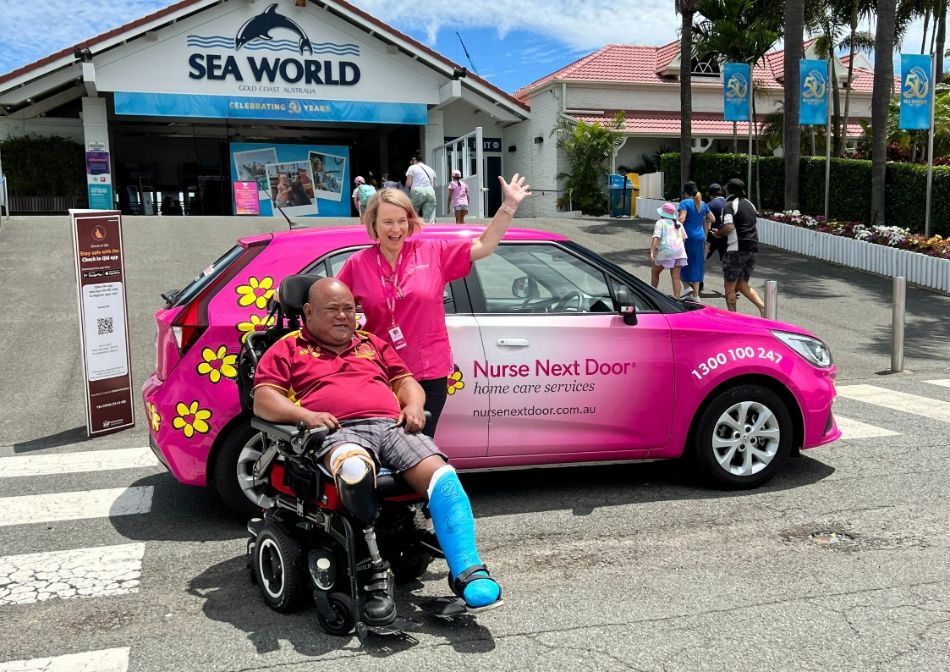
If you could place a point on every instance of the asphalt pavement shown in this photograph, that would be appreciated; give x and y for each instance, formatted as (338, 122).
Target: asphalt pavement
(839, 563)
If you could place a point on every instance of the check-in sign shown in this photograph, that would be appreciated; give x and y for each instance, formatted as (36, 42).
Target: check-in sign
(103, 321)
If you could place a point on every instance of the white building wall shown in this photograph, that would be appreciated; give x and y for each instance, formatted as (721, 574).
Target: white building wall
(539, 162)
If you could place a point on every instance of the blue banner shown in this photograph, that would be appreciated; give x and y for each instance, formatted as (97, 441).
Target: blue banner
(736, 98)
(278, 109)
(100, 196)
(916, 90)
(813, 93)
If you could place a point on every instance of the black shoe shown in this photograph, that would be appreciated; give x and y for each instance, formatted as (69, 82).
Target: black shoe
(379, 607)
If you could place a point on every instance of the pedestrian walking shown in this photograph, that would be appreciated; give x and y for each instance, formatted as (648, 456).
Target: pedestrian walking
(420, 180)
(742, 244)
(458, 197)
(696, 217)
(668, 249)
(362, 194)
(715, 241)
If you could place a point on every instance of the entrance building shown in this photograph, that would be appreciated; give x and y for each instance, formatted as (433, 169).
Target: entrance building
(297, 96)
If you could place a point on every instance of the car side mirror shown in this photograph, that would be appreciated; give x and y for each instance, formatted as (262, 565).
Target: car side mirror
(626, 306)
(525, 288)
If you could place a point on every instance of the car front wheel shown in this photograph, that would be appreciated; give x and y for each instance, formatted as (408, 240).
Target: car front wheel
(743, 437)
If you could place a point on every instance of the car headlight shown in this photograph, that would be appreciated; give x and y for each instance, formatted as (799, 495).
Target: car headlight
(811, 349)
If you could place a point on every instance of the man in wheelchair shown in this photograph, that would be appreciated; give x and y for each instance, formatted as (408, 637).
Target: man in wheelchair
(327, 374)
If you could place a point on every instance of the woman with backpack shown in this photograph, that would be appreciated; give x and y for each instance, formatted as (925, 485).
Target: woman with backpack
(362, 194)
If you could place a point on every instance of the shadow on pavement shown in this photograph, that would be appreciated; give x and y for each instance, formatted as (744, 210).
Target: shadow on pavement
(230, 597)
(64, 438)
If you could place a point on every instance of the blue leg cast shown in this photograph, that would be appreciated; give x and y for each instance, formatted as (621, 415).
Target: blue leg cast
(455, 529)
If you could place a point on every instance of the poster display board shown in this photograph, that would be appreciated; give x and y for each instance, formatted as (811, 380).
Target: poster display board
(103, 320)
(98, 180)
(304, 180)
(246, 200)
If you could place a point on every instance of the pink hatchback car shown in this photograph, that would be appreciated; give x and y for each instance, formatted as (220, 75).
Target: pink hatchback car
(561, 357)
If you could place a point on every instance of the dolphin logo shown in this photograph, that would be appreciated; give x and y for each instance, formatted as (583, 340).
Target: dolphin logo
(917, 83)
(260, 26)
(813, 88)
(737, 87)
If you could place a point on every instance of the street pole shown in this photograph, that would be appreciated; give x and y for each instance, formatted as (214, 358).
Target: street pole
(930, 143)
(5, 195)
(828, 137)
(897, 324)
(771, 300)
(748, 182)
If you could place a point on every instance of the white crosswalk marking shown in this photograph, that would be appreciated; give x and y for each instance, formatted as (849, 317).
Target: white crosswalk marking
(855, 429)
(942, 383)
(81, 572)
(898, 401)
(75, 505)
(106, 660)
(72, 463)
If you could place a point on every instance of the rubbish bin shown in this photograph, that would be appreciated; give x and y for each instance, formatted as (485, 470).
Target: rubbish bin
(634, 179)
(620, 190)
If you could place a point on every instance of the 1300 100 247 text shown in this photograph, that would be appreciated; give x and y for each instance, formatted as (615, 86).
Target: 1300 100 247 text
(703, 369)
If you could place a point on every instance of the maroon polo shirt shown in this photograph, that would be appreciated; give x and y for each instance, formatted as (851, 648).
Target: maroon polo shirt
(356, 383)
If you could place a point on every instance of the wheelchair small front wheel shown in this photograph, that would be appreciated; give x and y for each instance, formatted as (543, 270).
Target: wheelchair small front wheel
(280, 569)
(344, 615)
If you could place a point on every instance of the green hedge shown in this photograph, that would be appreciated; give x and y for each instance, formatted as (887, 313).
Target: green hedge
(44, 166)
(849, 194)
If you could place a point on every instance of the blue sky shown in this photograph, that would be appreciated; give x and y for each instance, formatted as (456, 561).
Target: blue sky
(511, 42)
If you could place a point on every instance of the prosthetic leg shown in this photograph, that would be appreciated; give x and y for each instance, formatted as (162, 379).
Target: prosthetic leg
(354, 472)
(455, 530)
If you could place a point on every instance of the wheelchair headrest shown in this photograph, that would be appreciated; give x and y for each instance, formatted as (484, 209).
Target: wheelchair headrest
(293, 292)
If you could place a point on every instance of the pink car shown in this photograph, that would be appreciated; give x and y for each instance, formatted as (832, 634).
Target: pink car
(561, 357)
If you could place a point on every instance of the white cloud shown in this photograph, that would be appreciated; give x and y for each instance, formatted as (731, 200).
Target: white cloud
(577, 25)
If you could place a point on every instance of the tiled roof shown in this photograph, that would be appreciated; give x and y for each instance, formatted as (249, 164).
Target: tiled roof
(633, 64)
(667, 124)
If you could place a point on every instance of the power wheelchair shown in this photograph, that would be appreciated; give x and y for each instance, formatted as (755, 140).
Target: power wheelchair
(315, 537)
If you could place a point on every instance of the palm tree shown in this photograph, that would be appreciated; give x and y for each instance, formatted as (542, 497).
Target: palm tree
(794, 39)
(686, 9)
(859, 10)
(880, 99)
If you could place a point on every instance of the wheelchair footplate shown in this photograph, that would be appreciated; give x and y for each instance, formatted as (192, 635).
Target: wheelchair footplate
(451, 608)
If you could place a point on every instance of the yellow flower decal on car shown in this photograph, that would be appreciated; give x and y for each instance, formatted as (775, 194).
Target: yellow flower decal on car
(217, 363)
(153, 417)
(455, 381)
(191, 419)
(255, 292)
(254, 323)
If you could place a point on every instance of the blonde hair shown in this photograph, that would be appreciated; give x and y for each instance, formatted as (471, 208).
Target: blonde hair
(698, 201)
(392, 197)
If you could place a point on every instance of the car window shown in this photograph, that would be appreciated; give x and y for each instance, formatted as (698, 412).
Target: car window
(330, 265)
(541, 278)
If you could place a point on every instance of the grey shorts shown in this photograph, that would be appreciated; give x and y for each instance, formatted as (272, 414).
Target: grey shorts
(393, 447)
(737, 266)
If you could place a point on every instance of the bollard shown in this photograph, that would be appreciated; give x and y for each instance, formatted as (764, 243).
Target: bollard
(897, 324)
(771, 300)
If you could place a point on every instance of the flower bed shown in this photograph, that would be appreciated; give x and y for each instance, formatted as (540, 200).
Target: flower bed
(891, 236)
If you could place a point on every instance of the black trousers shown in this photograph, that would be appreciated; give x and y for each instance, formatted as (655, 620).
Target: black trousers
(437, 391)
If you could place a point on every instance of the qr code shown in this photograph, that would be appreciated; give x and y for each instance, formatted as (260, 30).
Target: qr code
(104, 324)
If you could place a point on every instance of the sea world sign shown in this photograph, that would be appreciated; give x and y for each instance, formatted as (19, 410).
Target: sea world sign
(270, 31)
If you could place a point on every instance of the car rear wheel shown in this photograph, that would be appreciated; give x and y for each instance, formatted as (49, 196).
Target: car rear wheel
(743, 437)
(233, 473)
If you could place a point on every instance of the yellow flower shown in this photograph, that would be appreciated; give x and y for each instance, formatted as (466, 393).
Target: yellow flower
(255, 292)
(455, 381)
(191, 419)
(217, 363)
(153, 417)
(255, 323)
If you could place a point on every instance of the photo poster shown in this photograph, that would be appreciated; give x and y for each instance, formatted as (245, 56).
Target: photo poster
(305, 180)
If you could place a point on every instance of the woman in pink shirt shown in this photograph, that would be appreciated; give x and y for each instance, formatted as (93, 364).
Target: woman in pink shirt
(458, 197)
(399, 283)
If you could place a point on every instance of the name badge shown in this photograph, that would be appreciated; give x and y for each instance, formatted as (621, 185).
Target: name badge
(398, 340)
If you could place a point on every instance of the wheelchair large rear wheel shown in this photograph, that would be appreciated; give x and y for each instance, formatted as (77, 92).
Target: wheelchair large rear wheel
(280, 567)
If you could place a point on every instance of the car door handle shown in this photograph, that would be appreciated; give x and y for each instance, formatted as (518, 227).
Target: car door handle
(514, 342)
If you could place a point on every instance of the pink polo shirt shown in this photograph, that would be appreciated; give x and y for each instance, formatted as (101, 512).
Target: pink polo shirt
(423, 269)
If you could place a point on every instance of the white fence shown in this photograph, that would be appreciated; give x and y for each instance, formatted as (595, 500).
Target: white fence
(651, 185)
(919, 269)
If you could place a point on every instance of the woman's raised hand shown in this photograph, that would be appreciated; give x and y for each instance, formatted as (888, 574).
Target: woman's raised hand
(515, 191)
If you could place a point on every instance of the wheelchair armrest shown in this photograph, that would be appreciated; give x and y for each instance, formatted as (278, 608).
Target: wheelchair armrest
(300, 438)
